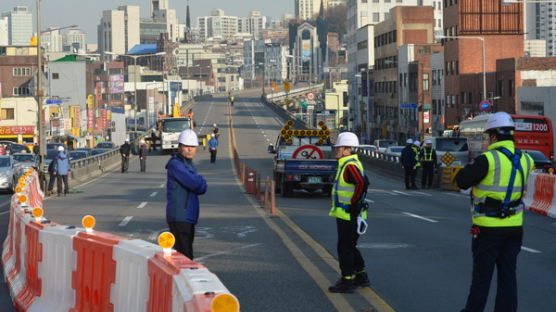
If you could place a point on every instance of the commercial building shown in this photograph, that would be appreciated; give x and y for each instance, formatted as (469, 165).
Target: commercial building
(4, 40)
(541, 24)
(119, 30)
(52, 40)
(18, 119)
(309, 9)
(217, 25)
(18, 68)
(20, 25)
(75, 41)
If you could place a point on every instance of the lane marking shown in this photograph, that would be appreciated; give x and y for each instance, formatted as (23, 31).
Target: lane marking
(531, 250)
(162, 185)
(400, 192)
(370, 201)
(154, 194)
(4, 204)
(226, 252)
(419, 217)
(456, 194)
(421, 193)
(125, 221)
(4, 212)
(142, 205)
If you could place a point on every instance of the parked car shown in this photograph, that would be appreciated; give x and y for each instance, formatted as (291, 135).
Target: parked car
(107, 145)
(458, 147)
(88, 150)
(24, 161)
(98, 151)
(74, 155)
(6, 173)
(54, 146)
(542, 163)
(394, 150)
(12, 148)
(382, 145)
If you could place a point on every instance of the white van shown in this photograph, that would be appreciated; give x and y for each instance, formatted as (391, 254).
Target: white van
(458, 147)
(382, 145)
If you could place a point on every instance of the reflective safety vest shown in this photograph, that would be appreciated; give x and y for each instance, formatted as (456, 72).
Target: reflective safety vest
(427, 153)
(416, 150)
(494, 186)
(342, 191)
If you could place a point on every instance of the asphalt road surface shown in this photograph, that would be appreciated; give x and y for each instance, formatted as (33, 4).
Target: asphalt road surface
(417, 247)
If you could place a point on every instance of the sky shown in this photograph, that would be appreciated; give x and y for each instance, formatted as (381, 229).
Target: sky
(87, 13)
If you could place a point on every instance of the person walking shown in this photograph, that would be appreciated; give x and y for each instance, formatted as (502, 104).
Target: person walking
(153, 139)
(52, 170)
(63, 168)
(409, 162)
(213, 144)
(36, 149)
(498, 178)
(215, 130)
(184, 185)
(143, 152)
(427, 158)
(349, 208)
(125, 151)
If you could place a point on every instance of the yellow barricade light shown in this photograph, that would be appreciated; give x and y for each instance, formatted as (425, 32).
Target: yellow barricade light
(38, 213)
(224, 303)
(166, 240)
(289, 123)
(295, 132)
(88, 223)
(302, 132)
(23, 199)
(283, 132)
(290, 132)
(321, 123)
(551, 170)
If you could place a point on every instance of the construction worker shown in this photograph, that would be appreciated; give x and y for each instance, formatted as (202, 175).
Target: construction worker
(63, 168)
(125, 150)
(183, 186)
(143, 152)
(213, 144)
(231, 99)
(498, 179)
(427, 158)
(349, 209)
(416, 150)
(409, 162)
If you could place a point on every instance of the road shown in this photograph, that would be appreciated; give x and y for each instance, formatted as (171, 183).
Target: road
(417, 247)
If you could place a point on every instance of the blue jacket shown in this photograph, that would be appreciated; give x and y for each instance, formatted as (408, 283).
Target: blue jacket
(213, 143)
(62, 164)
(408, 157)
(183, 186)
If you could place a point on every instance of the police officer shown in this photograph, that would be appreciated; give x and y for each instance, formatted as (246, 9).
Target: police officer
(125, 150)
(416, 149)
(409, 162)
(348, 195)
(427, 158)
(143, 152)
(498, 179)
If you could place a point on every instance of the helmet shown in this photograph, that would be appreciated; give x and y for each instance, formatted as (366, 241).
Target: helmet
(188, 137)
(127, 140)
(409, 141)
(60, 148)
(499, 120)
(348, 139)
(417, 143)
(142, 142)
(213, 135)
(428, 141)
(214, 125)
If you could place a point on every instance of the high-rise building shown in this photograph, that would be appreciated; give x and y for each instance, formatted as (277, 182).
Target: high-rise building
(161, 13)
(217, 25)
(541, 24)
(256, 24)
(20, 25)
(75, 40)
(309, 9)
(52, 40)
(118, 30)
(4, 38)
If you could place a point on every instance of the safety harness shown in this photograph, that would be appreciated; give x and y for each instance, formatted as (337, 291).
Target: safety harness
(361, 223)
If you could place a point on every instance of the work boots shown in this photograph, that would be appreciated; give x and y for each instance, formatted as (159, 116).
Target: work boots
(343, 285)
(361, 280)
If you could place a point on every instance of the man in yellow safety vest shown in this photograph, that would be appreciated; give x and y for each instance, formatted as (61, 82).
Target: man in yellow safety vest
(349, 209)
(498, 179)
(427, 158)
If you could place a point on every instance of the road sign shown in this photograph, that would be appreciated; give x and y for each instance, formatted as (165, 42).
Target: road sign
(287, 86)
(308, 152)
(448, 159)
(54, 101)
(484, 105)
(311, 96)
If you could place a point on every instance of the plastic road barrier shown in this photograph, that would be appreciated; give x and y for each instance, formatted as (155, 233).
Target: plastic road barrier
(540, 196)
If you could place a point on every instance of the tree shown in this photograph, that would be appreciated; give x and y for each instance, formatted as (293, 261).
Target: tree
(336, 17)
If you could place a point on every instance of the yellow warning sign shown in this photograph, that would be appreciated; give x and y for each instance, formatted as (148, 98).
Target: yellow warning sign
(448, 159)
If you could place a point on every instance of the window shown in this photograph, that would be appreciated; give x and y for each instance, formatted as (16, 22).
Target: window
(21, 71)
(500, 88)
(55, 76)
(511, 87)
(21, 91)
(7, 114)
(376, 17)
(425, 82)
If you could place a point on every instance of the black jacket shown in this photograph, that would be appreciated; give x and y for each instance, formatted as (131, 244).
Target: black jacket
(473, 173)
(408, 157)
(125, 149)
(143, 150)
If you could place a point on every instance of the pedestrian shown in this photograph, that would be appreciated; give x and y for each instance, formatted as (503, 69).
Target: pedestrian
(153, 139)
(416, 149)
(409, 163)
(215, 130)
(36, 149)
(498, 178)
(348, 205)
(52, 176)
(125, 150)
(231, 99)
(143, 152)
(63, 168)
(427, 158)
(213, 144)
(184, 185)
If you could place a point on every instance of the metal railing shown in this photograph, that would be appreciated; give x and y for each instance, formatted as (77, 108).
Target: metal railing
(379, 155)
(93, 159)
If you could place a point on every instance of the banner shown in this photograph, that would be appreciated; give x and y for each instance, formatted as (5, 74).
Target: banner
(116, 84)
(16, 130)
(306, 51)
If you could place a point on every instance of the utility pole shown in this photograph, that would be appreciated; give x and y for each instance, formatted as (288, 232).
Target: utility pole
(40, 129)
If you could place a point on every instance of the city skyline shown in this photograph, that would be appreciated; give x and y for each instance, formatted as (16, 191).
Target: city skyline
(88, 21)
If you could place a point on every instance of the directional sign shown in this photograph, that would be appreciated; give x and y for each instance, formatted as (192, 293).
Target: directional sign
(54, 101)
(311, 96)
(484, 105)
(448, 159)
(308, 152)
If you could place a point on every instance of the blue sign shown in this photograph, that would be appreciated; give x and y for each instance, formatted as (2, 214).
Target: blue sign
(54, 101)
(484, 106)
(408, 105)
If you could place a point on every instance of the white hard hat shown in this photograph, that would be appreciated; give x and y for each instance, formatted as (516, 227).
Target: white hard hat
(428, 141)
(214, 125)
(500, 120)
(127, 140)
(188, 137)
(60, 148)
(409, 141)
(347, 139)
(417, 143)
(213, 135)
(142, 141)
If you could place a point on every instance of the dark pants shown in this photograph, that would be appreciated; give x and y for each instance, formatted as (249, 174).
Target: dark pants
(212, 156)
(153, 144)
(51, 181)
(143, 162)
(125, 163)
(184, 233)
(428, 174)
(495, 247)
(349, 256)
(409, 176)
(62, 178)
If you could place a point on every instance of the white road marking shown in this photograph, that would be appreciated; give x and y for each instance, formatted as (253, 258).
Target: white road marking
(142, 205)
(4, 212)
(125, 221)
(421, 193)
(531, 250)
(4, 204)
(162, 185)
(456, 194)
(154, 194)
(225, 252)
(370, 201)
(419, 217)
(402, 193)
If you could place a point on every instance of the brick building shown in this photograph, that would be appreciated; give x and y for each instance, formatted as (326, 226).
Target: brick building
(18, 69)
(501, 27)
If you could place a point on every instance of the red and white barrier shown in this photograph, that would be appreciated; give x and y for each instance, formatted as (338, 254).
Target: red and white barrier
(50, 267)
(540, 196)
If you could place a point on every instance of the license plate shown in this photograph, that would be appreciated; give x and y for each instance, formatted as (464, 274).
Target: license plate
(314, 180)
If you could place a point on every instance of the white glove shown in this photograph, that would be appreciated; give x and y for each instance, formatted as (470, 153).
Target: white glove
(361, 225)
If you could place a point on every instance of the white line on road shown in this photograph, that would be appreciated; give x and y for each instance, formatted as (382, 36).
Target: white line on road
(225, 252)
(142, 205)
(370, 201)
(4, 204)
(4, 212)
(125, 221)
(419, 217)
(421, 193)
(456, 194)
(531, 250)
(162, 185)
(402, 193)
(154, 194)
